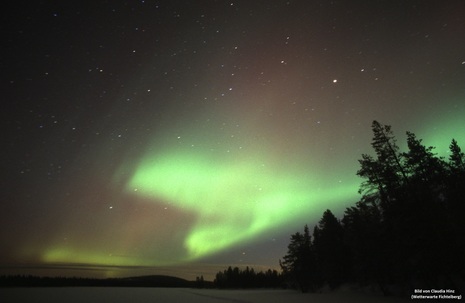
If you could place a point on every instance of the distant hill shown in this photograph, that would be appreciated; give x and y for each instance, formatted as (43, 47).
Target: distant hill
(156, 281)
(140, 281)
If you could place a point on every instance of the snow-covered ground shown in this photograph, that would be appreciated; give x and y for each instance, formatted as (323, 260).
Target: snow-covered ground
(176, 295)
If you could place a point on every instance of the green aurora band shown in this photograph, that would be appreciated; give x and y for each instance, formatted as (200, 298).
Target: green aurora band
(236, 198)
(234, 201)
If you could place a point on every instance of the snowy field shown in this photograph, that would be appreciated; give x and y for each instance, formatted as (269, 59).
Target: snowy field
(176, 295)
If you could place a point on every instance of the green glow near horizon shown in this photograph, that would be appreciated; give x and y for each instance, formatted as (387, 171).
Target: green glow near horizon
(66, 255)
(234, 200)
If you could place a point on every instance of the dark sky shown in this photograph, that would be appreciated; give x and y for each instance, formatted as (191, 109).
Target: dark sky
(182, 137)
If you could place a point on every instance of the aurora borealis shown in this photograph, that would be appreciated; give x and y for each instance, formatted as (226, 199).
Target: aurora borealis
(234, 199)
(182, 137)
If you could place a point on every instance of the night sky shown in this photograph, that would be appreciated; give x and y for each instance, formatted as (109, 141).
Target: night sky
(181, 137)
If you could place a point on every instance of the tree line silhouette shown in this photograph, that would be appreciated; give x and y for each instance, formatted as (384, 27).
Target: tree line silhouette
(407, 231)
(247, 278)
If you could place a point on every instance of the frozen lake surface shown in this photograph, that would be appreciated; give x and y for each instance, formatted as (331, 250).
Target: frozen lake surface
(176, 295)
